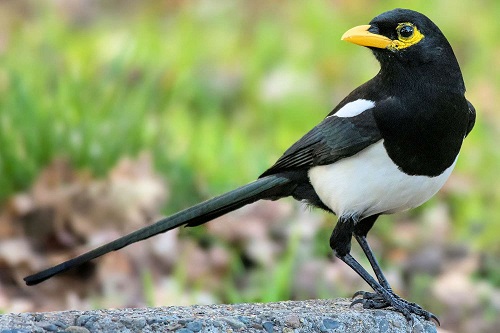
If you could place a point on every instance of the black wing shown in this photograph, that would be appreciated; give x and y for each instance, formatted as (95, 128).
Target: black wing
(333, 139)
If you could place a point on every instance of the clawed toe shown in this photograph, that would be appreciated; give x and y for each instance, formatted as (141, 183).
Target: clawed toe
(365, 295)
(432, 316)
(370, 303)
(371, 300)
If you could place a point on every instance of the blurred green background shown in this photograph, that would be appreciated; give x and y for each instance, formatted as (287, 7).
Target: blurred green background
(217, 90)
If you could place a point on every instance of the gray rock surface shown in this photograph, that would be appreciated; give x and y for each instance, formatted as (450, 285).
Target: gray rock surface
(288, 317)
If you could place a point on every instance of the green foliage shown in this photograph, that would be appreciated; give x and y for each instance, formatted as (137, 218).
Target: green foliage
(217, 91)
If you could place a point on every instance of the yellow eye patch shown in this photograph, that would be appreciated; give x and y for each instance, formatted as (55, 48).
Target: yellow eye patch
(408, 35)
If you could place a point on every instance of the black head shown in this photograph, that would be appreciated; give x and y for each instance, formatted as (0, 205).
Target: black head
(404, 40)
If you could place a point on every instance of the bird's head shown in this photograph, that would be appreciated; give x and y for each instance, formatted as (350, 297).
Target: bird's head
(405, 39)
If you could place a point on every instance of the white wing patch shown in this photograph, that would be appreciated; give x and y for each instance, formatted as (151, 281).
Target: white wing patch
(354, 108)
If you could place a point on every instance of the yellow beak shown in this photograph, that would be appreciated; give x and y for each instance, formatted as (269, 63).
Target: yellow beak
(361, 36)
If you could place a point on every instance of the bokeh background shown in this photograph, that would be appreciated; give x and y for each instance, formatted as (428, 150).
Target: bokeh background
(114, 113)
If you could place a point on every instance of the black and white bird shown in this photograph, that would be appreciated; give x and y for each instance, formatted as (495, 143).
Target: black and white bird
(389, 146)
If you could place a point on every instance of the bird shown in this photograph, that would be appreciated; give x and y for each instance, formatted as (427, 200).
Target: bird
(387, 147)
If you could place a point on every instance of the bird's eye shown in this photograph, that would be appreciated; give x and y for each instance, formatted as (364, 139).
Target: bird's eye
(408, 35)
(405, 31)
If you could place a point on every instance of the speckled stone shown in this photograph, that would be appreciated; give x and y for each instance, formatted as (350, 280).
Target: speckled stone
(50, 327)
(293, 321)
(85, 320)
(268, 326)
(329, 316)
(234, 322)
(430, 329)
(383, 325)
(134, 324)
(76, 329)
(194, 326)
(331, 324)
(184, 330)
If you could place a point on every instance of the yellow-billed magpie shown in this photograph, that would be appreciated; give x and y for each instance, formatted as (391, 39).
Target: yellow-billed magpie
(387, 147)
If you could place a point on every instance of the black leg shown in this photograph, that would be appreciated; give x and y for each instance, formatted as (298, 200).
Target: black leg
(373, 262)
(379, 300)
(351, 262)
(340, 242)
(360, 231)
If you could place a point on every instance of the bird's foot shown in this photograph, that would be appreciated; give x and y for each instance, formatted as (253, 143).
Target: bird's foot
(371, 300)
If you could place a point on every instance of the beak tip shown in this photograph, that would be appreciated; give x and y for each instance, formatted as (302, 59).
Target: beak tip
(349, 34)
(361, 35)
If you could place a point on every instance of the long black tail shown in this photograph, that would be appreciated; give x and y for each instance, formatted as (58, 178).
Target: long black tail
(269, 187)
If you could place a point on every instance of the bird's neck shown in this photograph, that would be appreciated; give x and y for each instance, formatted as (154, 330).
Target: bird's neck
(445, 77)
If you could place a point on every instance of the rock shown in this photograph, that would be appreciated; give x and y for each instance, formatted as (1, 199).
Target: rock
(327, 316)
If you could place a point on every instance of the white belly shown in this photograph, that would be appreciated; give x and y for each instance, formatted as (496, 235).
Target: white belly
(370, 183)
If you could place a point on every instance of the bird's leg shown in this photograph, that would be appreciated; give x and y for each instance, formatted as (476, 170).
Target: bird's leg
(340, 242)
(361, 229)
(378, 301)
(373, 262)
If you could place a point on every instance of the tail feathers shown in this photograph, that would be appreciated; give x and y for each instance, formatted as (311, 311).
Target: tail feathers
(270, 187)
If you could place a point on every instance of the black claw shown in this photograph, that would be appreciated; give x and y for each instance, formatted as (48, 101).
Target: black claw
(360, 293)
(433, 317)
(379, 305)
(409, 318)
(357, 301)
(371, 300)
(369, 303)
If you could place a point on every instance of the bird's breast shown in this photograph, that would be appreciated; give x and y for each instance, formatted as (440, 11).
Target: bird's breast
(370, 183)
